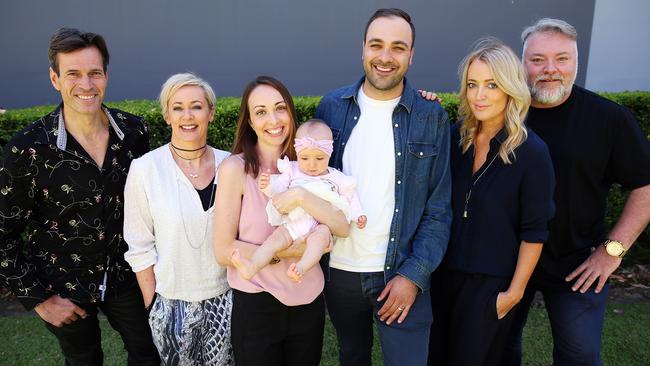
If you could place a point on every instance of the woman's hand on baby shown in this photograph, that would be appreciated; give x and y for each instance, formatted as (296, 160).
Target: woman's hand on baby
(361, 221)
(288, 200)
(263, 180)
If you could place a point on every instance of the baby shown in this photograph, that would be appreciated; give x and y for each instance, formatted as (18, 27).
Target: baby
(313, 146)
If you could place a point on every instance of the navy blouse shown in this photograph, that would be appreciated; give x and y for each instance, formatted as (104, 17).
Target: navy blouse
(500, 205)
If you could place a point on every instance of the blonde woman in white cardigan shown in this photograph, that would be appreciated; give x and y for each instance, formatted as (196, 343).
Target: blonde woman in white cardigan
(169, 201)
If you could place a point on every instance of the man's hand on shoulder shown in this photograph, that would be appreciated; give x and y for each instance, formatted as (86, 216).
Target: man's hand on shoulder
(59, 311)
(430, 96)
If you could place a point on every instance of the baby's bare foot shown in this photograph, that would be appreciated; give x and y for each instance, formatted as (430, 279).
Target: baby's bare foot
(244, 267)
(294, 272)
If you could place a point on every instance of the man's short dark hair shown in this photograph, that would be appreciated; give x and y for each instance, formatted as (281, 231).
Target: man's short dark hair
(392, 12)
(67, 40)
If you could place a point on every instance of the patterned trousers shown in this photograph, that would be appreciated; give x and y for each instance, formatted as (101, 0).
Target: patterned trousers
(193, 333)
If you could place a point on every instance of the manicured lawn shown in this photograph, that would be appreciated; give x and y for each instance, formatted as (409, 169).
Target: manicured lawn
(627, 331)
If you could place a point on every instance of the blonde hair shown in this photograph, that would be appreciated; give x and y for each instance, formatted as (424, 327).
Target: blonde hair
(509, 75)
(177, 81)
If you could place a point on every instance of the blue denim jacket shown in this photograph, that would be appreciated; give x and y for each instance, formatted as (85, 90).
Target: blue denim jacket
(419, 229)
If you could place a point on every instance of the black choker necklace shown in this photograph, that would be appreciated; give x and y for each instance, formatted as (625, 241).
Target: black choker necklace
(174, 152)
(187, 150)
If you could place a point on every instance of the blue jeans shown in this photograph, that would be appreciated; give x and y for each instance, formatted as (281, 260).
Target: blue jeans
(576, 324)
(352, 305)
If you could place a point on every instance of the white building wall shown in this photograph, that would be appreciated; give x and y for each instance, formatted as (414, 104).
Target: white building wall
(619, 57)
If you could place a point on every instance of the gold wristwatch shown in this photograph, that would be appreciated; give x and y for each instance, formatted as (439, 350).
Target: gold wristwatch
(614, 248)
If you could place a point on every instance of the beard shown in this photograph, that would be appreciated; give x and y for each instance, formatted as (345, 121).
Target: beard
(384, 83)
(550, 95)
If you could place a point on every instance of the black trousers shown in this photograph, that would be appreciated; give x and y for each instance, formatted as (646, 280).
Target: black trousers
(80, 340)
(267, 332)
(466, 330)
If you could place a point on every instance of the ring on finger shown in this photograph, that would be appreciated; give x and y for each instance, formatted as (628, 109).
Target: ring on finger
(400, 308)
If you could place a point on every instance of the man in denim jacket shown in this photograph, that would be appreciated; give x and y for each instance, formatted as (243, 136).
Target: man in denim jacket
(396, 145)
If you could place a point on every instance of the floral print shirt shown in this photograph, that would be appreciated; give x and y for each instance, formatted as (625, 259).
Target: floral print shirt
(68, 212)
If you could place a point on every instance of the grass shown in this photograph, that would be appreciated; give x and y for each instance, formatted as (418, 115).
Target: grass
(627, 329)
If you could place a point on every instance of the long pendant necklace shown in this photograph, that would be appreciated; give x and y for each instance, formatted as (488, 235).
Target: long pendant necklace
(468, 195)
(207, 218)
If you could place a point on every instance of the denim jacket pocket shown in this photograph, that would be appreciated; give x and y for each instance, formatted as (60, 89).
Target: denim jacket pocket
(421, 157)
(422, 150)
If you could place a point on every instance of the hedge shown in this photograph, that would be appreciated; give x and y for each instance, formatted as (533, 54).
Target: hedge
(221, 134)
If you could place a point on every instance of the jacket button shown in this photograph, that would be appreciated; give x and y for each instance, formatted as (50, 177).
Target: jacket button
(397, 210)
(399, 153)
(387, 267)
(355, 117)
(421, 153)
(392, 239)
(399, 182)
(396, 125)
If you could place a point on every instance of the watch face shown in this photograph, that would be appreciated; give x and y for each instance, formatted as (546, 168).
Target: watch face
(614, 248)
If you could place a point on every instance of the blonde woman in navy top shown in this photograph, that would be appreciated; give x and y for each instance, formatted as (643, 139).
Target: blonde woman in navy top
(502, 198)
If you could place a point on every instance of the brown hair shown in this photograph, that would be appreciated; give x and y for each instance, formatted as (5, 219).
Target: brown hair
(67, 40)
(388, 13)
(245, 137)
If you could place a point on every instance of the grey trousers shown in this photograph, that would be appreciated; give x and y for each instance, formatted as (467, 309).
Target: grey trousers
(193, 333)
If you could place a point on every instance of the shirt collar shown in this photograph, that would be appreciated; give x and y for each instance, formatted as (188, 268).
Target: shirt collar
(62, 135)
(406, 100)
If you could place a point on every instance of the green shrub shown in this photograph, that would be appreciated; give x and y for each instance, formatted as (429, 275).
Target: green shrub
(639, 103)
(221, 134)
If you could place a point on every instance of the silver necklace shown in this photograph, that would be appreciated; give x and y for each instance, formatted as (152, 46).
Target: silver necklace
(205, 231)
(468, 195)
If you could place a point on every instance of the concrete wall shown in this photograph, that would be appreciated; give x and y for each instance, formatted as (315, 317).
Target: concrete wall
(313, 46)
(619, 57)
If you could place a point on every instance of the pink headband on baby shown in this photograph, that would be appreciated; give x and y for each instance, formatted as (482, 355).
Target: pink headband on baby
(326, 146)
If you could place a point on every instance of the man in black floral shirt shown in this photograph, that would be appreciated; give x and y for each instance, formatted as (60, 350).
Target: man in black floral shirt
(62, 181)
